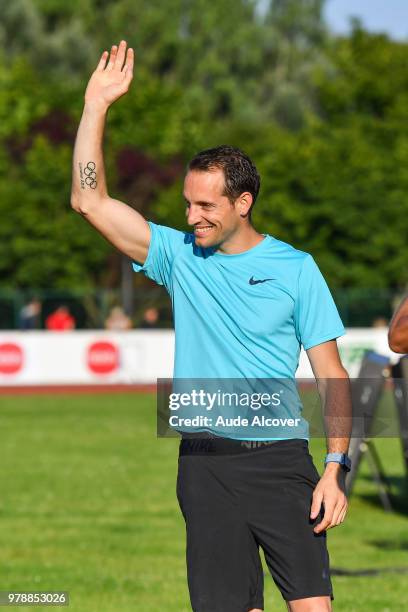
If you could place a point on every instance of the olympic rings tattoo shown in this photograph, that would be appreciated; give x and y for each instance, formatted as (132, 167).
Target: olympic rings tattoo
(90, 174)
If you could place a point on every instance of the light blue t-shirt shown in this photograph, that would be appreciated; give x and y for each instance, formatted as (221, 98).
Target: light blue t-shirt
(241, 316)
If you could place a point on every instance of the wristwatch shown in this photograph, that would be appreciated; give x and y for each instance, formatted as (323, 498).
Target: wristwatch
(341, 458)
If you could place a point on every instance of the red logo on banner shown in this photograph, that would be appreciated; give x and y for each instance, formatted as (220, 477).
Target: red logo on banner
(11, 358)
(103, 357)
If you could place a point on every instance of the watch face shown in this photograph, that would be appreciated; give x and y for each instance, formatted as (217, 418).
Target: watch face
(346, 462)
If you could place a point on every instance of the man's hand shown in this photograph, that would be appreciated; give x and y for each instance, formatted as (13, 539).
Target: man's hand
(330, 491)
(111, 80)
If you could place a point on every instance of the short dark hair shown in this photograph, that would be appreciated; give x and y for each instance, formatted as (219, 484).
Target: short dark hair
(240, 172)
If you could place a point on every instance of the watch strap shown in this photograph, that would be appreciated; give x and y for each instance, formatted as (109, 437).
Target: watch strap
(341, 458)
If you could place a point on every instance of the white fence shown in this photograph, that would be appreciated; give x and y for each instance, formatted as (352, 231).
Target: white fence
(133, 357)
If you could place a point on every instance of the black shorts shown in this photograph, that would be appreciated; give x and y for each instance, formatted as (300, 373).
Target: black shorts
(238, 497)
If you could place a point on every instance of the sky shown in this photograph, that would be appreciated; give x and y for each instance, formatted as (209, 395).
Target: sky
(390, 16)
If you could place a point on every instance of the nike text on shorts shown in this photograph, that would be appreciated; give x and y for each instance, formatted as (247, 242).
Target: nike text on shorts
(237, 498)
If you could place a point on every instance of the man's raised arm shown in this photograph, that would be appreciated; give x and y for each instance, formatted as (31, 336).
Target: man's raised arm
(119, 223)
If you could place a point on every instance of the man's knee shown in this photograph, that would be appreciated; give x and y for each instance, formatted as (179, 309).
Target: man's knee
(310, 604)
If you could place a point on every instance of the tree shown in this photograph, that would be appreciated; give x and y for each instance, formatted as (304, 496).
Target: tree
(324, 118)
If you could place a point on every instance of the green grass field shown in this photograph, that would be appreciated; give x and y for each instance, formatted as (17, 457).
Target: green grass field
(88, 505)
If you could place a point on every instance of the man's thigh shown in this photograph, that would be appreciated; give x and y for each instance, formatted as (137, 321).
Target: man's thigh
(279, 496)
(223, 565)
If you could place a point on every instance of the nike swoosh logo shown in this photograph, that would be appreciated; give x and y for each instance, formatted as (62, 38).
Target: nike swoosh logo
(252, 281)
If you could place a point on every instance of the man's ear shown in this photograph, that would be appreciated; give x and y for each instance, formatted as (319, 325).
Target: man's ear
(244, 203)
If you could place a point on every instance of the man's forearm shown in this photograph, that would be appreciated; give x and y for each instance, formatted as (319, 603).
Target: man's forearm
(88, 171)
(335, 395)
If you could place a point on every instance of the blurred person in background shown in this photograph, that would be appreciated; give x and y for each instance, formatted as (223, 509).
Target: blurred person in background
(379, 323)
(244, 303)
(118, 320)
(398, 331)
(30, 315)
(150, 318)
(60, 320)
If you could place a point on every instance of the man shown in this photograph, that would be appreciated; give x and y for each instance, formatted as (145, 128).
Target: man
(398, 331)
(243, 305)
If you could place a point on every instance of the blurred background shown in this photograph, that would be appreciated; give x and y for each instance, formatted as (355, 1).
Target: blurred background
(316, 92)
(316, 99)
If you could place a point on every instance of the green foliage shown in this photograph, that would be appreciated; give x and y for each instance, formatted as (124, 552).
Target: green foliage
(40, 242)
(324, 119)
(338, 187)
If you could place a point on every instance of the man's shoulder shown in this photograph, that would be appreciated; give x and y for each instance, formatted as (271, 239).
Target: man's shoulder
(169, 239)
(172, 232)
(287, 251)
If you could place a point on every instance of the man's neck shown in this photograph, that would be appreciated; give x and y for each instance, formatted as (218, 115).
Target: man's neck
(241, 241)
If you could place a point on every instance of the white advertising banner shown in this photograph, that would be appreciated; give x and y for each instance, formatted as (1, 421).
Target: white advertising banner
(85, 357)
(130, 357)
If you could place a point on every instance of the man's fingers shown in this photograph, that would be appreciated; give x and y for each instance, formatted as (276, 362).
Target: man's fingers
(327, 519)
(128, 75)
(342, 515)
(316, 504)
(340, 510)
(102, 61)
(129, 60)
(322, 526)
(333, 515)
(112, 57)
(120, 56)
(336, 514)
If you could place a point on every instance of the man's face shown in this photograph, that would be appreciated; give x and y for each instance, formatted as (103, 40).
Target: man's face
(213, 216)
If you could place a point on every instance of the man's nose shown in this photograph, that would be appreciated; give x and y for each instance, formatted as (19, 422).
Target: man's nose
(193, 215)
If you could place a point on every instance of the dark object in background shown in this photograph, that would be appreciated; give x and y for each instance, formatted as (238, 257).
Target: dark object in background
(150, 318)
(30, 315)
(366, 391)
